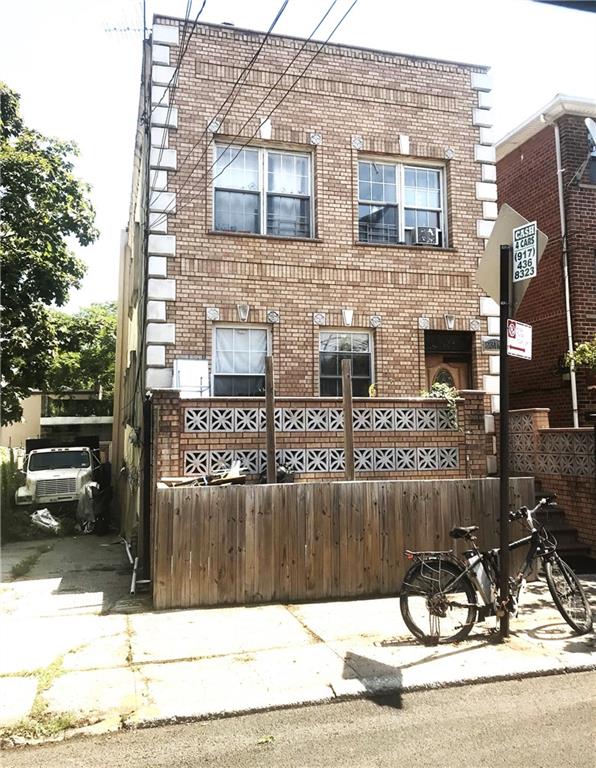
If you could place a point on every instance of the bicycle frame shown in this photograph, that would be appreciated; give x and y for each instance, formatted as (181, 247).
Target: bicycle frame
(541, 544)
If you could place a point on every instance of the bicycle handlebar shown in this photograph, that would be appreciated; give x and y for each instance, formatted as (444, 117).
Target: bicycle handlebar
(528, 514)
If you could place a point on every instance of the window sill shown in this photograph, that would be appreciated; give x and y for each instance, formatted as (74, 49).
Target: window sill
(251, 236)
(406, 247)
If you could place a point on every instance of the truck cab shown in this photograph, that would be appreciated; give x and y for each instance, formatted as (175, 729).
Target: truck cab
(56, 477)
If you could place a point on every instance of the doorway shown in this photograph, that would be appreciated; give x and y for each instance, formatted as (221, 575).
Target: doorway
(448, 358)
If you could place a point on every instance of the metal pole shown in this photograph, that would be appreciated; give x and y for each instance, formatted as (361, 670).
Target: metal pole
(346, 381)
(270, 411)
(504, 439)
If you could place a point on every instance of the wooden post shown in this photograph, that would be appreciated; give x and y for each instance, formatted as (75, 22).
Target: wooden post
(270, 411)
(346, 381)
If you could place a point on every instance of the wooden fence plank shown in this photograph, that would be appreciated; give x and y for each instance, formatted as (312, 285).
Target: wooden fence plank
(309, 541)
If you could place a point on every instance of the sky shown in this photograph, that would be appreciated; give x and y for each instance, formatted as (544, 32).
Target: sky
(76, 64)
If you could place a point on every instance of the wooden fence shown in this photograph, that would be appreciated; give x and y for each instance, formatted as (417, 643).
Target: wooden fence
(304, 541)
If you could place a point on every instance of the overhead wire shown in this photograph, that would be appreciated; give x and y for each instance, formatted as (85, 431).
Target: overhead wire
(232, 143)
(233, 94)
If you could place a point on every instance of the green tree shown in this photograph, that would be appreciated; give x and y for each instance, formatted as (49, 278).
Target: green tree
(85, 352)
(42, 205)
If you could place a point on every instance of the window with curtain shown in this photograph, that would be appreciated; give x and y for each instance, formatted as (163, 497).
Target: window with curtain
(239, 361)
(262, 192)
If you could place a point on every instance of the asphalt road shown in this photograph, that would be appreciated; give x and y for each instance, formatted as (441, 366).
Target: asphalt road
(535, 723)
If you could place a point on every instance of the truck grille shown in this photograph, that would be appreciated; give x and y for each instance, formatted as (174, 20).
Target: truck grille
(58, 487)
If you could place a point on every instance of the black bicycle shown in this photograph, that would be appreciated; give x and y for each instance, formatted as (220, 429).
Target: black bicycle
(439, 596)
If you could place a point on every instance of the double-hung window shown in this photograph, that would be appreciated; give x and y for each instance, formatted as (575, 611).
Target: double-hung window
(239, 361)
(400, 203)
(335, 346)
(262, 192)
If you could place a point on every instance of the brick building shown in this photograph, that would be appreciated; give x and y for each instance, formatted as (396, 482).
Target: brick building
(337, 214)
(546, 170)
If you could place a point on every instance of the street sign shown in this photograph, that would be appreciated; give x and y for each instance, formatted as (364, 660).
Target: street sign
(519, 339)
(525, 242)
(487, 274)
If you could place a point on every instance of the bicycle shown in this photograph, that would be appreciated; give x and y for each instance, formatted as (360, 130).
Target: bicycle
(440, 589)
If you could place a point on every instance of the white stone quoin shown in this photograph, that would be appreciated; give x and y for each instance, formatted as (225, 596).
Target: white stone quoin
(162, 158)
(486, 191)
(494, 327)
(161, 333)
(490, 384)
(165, 116)
(161, 290)
(158, 180)
(481, 81)
(160, 54)
(484, 154)
(162, 75)
(162, 245)
(156, 354)
(158, 378)
(490, 210)
(158, 222)
(484, 228)
(160, 95)
(163, 201)
(156, 310)
(159, 137)
(488, 307)
(157, 266)
(165, 34)
(488, 172)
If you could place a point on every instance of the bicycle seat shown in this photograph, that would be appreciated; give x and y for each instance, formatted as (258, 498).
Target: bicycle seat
(462, 532)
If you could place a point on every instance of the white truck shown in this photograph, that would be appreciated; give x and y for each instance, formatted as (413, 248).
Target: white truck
(56, 478)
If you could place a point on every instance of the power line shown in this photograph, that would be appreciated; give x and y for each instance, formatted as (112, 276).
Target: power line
(264, 99)
(283, 98)
(233, 96)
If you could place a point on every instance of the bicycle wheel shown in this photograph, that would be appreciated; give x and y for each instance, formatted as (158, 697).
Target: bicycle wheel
(435, 608)
(568, 595)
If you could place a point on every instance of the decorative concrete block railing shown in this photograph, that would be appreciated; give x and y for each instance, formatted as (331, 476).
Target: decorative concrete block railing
(396, 437)
(562, 461)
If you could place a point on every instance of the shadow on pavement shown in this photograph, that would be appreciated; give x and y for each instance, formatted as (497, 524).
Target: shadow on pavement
(374, 675)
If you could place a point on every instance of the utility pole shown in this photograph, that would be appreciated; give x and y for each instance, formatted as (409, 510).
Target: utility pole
(505, 278)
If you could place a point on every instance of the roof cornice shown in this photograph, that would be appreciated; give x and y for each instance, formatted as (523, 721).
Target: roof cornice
(555, 109)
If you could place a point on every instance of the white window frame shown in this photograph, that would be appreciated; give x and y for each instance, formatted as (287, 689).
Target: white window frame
(400, 169)
(242, 326)
(264, 192)
(351, 329)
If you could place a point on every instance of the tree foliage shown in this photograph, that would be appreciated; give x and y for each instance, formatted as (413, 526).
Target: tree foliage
(42, 204)
(85, 352)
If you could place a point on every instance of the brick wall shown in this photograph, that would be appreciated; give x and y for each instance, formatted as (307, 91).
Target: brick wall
(347, 92)
(194, 437)
(527, 179)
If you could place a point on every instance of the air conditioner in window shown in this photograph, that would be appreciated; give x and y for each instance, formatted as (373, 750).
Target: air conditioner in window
(427, 236)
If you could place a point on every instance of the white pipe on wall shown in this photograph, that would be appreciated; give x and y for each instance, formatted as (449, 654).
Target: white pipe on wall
(566, 274)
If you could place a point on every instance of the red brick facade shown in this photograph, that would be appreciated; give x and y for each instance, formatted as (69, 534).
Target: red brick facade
(527, 180)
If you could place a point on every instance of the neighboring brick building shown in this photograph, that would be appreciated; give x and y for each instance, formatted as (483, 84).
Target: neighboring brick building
(347, 222)
(528, 174)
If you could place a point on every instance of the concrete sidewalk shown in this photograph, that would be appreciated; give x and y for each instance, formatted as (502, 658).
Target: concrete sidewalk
(73, 658)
